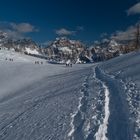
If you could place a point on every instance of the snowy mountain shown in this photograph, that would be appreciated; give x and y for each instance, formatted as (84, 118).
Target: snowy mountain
(19, 45)
(3, 38)
(109, 48)
(113, 43)
(63, 49)
(99, 53)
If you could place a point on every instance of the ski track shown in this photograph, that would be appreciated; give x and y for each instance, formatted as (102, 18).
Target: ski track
(94, 127)
(133, 98)
(102, 131)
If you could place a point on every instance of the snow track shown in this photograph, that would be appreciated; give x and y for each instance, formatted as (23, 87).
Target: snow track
(90, 120)
(102, 131)
(116, 121)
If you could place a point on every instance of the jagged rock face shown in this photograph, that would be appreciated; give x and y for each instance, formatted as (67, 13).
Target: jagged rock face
(105, 50)
(110, 48)
(20, 45)
(2, 36)
(64, 49)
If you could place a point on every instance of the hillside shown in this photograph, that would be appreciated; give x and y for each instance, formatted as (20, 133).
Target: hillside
(122, 76)
(85, 102)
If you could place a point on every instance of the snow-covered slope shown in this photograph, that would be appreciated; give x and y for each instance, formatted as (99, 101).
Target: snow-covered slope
(27, 88)
(19, 70)
(6, 55)
(83, 102)
(124, 72)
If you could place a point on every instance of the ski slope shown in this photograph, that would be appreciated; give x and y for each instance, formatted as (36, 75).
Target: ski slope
(54, 102)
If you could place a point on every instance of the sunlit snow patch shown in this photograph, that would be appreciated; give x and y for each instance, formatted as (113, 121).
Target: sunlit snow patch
(29, 51)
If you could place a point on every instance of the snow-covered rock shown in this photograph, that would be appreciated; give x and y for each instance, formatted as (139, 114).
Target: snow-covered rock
(64, 49)
(30, 51)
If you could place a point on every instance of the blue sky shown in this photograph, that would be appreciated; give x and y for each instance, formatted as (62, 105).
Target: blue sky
(86, 20)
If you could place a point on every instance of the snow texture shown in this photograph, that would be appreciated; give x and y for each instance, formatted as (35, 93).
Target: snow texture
(53, 102)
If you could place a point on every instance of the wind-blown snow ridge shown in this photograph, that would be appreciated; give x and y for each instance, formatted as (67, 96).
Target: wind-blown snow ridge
(102, 131)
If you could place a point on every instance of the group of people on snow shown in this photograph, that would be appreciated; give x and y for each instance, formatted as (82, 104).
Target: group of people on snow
(9, 59)
(68, 63)
(37, 62)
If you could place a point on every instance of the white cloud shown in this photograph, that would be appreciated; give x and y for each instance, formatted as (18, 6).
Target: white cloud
(103, 35)
(105, 40)
(46, 43)
(134, 9)
(14, 30)
(129, 34)
(23, 27)
(96, 42)
(13, 34)
(64, 32)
